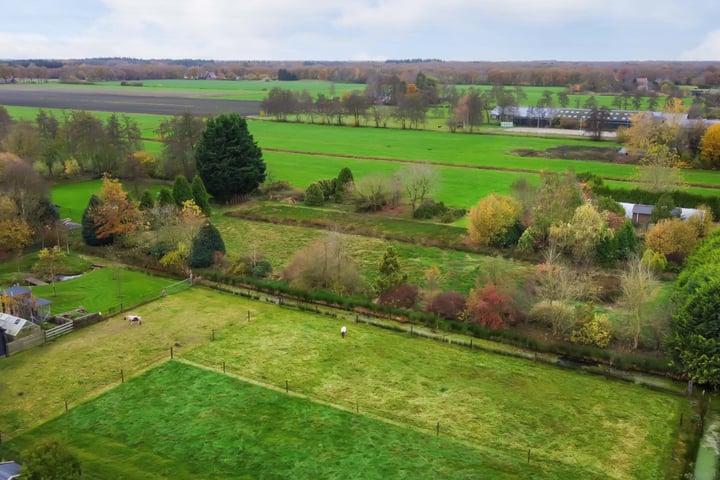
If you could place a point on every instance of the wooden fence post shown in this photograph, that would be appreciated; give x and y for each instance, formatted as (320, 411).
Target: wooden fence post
(171, 353)
(437, 434)
(122, 376)
(286, 386)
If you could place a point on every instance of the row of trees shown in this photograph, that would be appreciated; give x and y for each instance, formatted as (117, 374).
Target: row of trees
(76, 143)
(603, 77)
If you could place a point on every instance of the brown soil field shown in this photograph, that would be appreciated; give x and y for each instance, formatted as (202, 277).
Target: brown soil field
(122, 100)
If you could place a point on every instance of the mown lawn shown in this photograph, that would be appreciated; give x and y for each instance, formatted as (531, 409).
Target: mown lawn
(491, 408)
(101, 289)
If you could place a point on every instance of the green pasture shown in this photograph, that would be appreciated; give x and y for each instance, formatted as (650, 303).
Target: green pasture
(491, 408)
(459, 187)
(278, 243)
(344, 218)
(237, 430)
(101, 289)
(147, 123)
(73, 197)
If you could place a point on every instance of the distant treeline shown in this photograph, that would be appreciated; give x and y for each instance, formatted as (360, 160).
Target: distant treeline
(587, 76)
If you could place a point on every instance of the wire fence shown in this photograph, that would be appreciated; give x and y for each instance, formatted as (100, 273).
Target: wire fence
(456, 339)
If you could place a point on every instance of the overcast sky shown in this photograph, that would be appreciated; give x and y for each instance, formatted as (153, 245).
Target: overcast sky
(494, 30)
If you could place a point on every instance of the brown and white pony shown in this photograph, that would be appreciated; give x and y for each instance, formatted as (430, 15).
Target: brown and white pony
(134, 318)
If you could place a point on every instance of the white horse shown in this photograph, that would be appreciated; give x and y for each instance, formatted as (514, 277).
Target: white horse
(133, 318)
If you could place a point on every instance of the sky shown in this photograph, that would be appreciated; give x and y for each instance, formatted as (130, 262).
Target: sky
(460, 30)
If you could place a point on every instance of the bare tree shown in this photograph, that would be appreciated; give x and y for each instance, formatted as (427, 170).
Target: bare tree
(639, 289)
(419, 180)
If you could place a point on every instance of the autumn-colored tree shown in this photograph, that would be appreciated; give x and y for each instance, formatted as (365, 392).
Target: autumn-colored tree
(654, 261)
(490, 307)
(324, 265)
(50, 261)
(492, 218)
(117, 215)
(658, 169)
(432, 287)
(582, 234)
(449, 305)
(702, 220)
(710, 147)
(674, 238)
(595, 331)
(555, 201)
(19, 182)
(15, 233)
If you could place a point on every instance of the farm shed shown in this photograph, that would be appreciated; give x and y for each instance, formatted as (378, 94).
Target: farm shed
(640, 214)
(15, 326)
(19, 301)
(9, 470)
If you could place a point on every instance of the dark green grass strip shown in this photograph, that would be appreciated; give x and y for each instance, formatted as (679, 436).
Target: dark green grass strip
(177, 421)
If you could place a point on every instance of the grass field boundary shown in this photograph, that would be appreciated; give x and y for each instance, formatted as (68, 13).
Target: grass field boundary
(659, 384)
(173, 288)
(436, 429)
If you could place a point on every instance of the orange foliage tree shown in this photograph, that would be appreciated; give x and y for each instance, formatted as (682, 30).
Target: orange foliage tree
(117, 215)
(674, 238)
(710, 147)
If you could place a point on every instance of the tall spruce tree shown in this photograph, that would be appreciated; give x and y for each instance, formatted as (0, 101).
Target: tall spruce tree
(227, 158)
(181, 190)
(200, 195)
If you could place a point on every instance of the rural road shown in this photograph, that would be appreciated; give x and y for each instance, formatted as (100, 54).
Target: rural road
(121, 100)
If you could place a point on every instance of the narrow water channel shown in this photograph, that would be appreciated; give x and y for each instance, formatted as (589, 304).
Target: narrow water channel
(707, 458)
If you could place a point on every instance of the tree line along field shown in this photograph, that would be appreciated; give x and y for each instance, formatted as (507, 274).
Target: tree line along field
(466, 161)
(257, 90)
(366, 406)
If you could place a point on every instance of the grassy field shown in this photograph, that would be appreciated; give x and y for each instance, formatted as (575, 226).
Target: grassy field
(491, 408)
(73, 198)
(258, 90)
(101, 289)
(236, 430)
(278, 243)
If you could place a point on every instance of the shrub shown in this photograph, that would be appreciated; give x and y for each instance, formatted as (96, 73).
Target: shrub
(262, 269)
(429, 209)
(314, 196)
(449, 305)
(206, 243)
(401, 296)
(490, 307)
(595, 332)
(555, 315)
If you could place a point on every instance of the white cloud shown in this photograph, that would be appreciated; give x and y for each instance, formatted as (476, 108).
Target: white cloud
(708, 49)
(356, 29)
